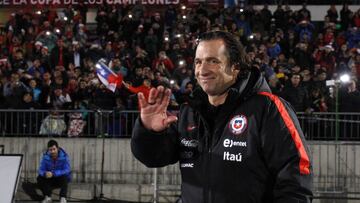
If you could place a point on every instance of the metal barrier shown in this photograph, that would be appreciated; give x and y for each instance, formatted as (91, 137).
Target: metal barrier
(89, 123)
(330, 126)
(67, 123)
(336, 169)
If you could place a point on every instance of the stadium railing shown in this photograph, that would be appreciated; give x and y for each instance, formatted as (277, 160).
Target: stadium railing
(114, 123)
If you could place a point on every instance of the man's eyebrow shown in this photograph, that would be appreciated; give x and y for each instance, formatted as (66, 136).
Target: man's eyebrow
(206, 58)
(211, 57)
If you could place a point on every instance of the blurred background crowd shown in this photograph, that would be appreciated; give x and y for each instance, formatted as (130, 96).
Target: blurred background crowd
(48, 58)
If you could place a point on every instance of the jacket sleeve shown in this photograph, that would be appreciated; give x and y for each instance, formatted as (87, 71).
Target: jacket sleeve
(63, 168)
(286, 153)
(42, 168)
(154, 149)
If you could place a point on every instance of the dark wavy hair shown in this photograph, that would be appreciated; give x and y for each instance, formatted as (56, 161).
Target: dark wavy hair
(235, 51)
(52, 143)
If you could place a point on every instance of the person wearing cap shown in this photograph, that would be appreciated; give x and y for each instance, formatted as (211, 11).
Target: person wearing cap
(76, 54)
(37, 49)
(327, 59)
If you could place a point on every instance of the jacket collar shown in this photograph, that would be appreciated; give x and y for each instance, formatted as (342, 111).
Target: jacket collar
(61, 154)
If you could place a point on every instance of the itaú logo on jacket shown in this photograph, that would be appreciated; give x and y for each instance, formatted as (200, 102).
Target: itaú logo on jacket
(232, 157)
(238, 124)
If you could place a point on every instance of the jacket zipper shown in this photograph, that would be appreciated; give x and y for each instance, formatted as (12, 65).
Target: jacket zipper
(207, 191)
(208, 170)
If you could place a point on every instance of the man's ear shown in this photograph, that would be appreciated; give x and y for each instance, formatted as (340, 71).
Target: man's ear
(235, 67)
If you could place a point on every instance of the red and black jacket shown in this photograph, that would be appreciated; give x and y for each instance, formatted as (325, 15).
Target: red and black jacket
(250, 149)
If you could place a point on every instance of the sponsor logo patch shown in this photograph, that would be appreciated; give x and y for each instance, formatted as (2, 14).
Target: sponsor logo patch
(187, 165)
(189, 143)
(232, 157)
(238, 124)
(230, 143)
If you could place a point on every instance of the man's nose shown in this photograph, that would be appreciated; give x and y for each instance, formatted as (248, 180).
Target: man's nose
(202, 67)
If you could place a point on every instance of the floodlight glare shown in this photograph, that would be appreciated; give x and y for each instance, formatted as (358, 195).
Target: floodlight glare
(345, 78)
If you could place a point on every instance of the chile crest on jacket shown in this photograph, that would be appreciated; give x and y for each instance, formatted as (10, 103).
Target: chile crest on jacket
(238, 124)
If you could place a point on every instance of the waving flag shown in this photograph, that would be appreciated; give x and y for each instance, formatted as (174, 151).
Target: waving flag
(107, 76)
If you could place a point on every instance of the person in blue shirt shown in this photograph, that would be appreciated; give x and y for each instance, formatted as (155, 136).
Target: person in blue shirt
(54, 172)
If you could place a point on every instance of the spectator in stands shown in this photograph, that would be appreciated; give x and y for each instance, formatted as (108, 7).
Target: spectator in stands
(317, 101)
(356, 19)
(34, 90)
(302, 55)
(295, 93)
(349, 98)
(273, 48)
(241, 27)
(118, 67)
(144, 88)
(343, 54)
(320, 81)
(279, 16)
(266, 17)
(304, 13)
(304, 30)
(54, 172)
(76, 55)
(37, 49)
(59, 98)
(14, 90)
(47, 38)
(151, 42)
(102, 98)
(307, 79)
(325, 57)
(83, 92)
(59, 55)
(81, 35)
(141, 58)
(345, 16)
(28, 102)
(3, 100)
(290, 44)
(36, 67)
(164, 61)
(332, 13)
(18, 61)
(180, 72)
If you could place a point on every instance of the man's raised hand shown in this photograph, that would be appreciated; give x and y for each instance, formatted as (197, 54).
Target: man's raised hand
(153, 112)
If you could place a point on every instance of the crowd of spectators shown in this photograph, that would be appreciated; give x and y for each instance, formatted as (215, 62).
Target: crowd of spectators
(47, 58)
